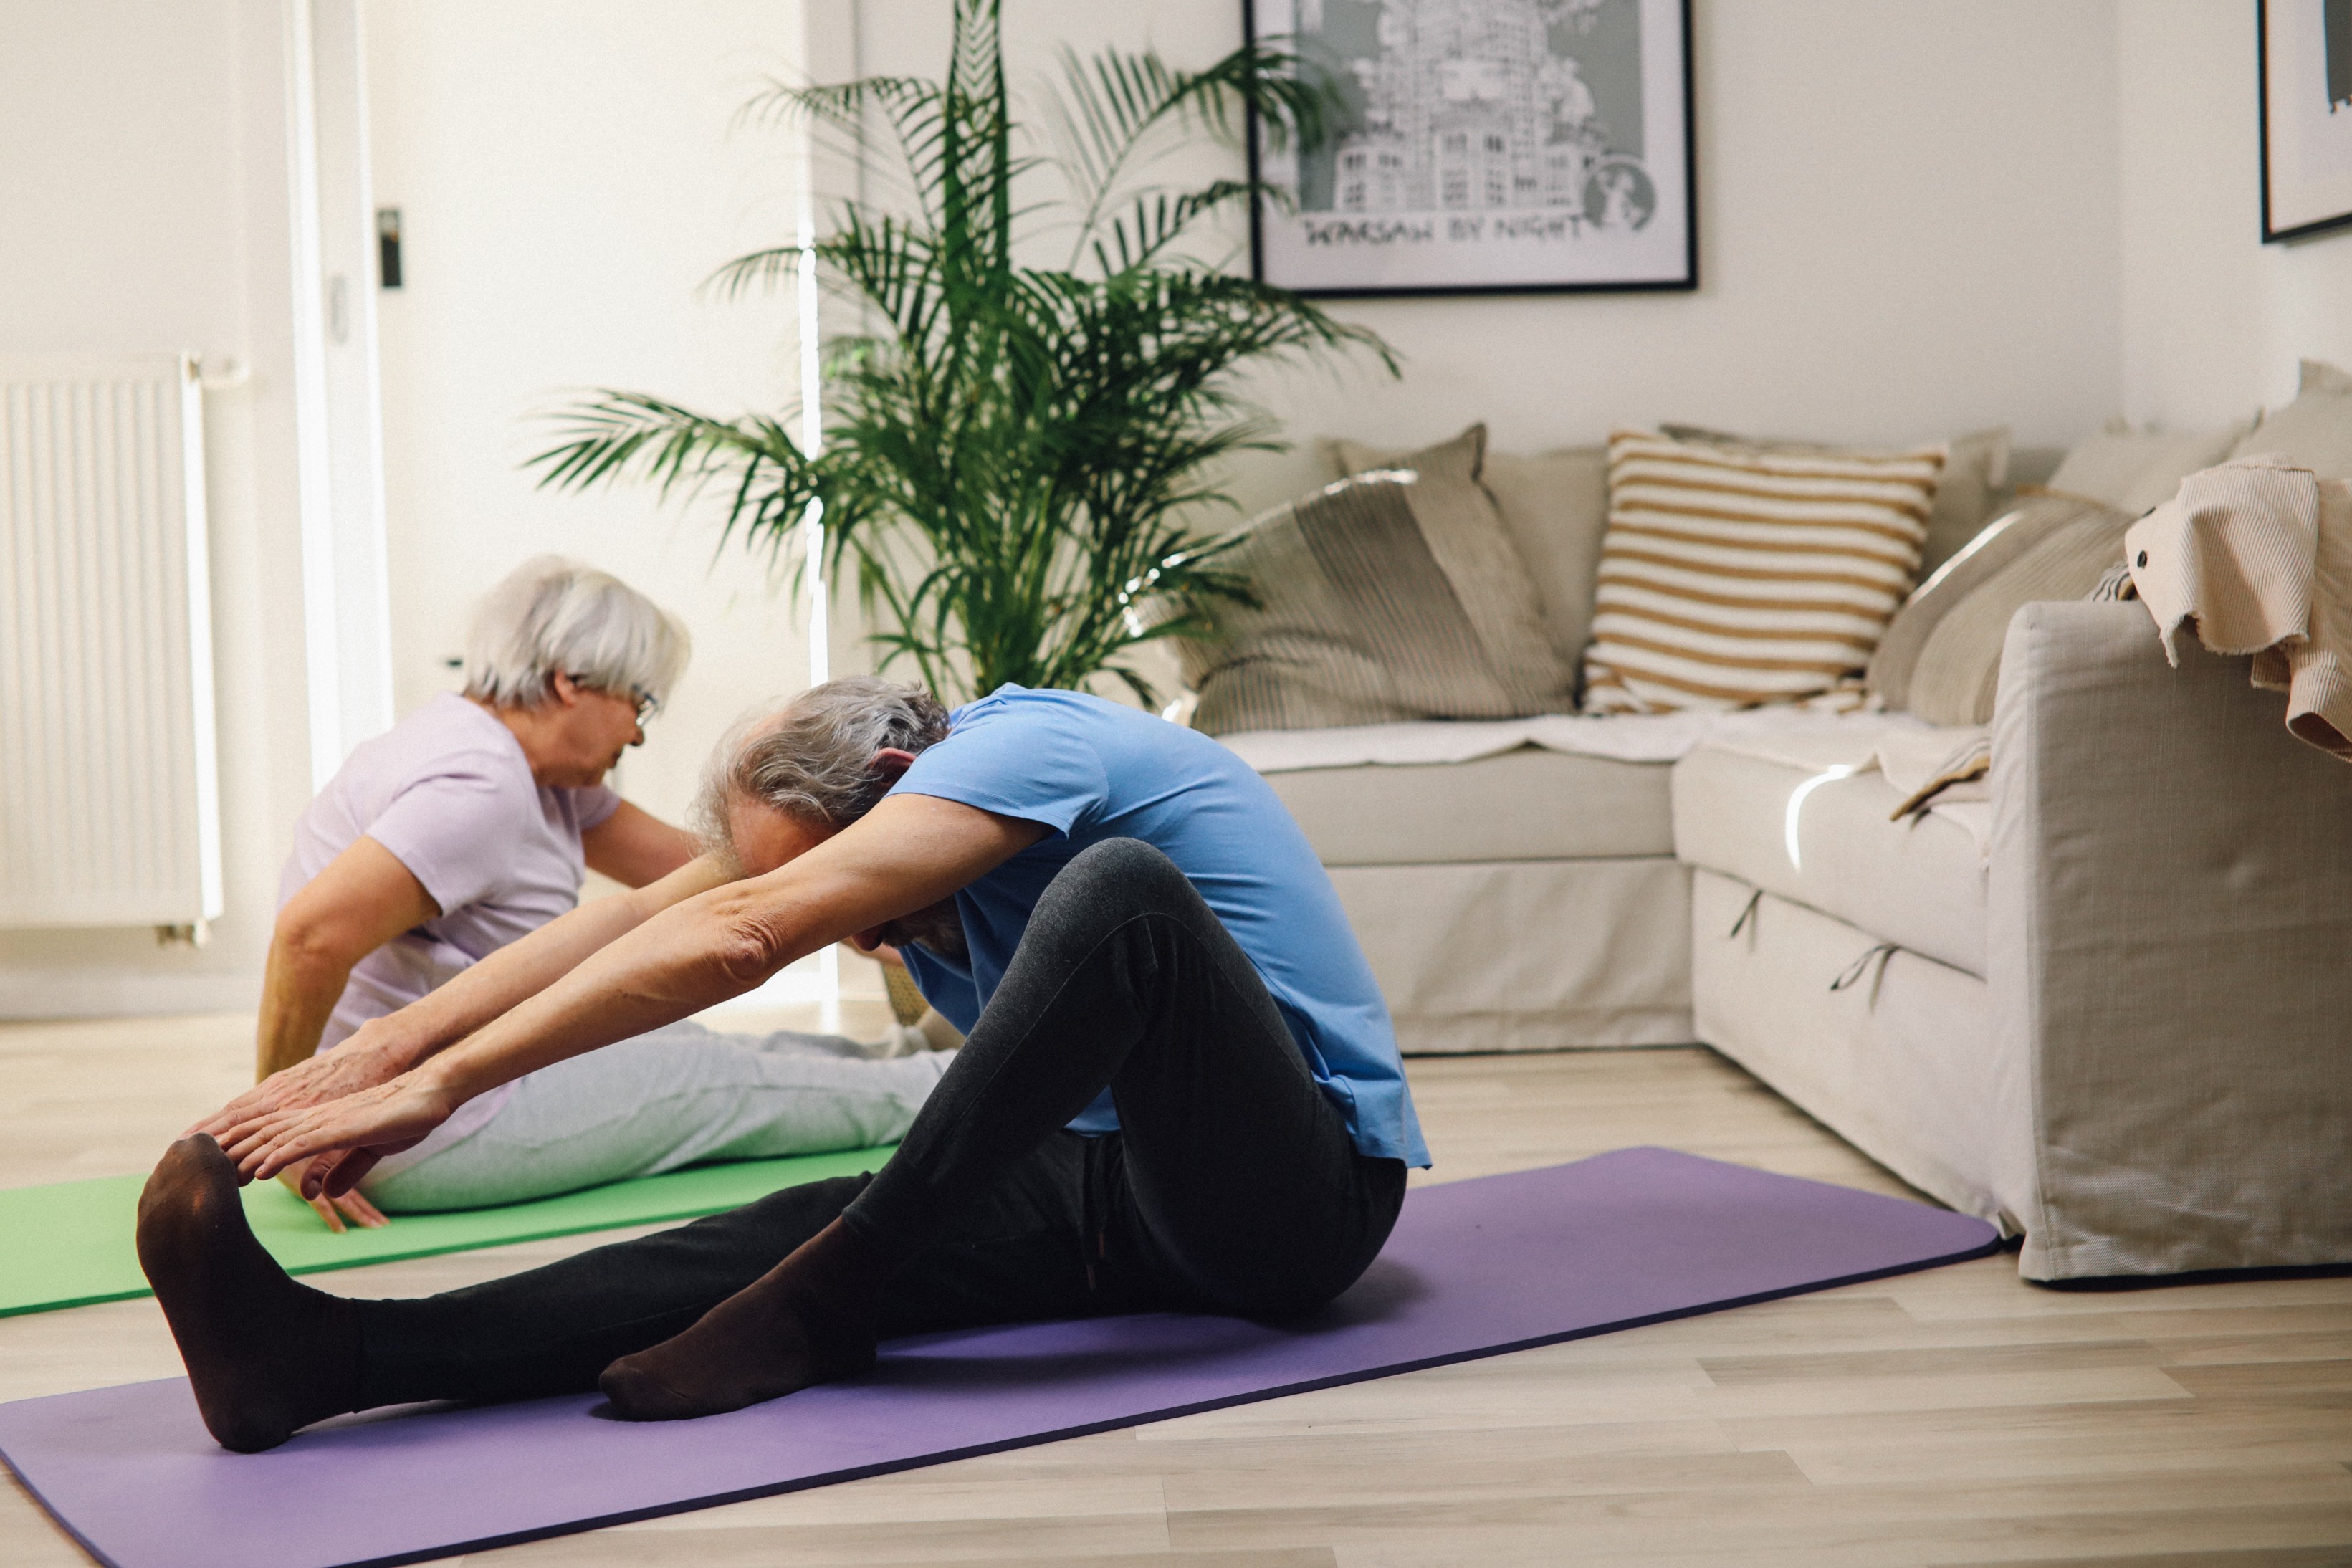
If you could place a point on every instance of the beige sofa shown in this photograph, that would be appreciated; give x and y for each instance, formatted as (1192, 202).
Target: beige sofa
(2127, 1035)
(2112, 1011)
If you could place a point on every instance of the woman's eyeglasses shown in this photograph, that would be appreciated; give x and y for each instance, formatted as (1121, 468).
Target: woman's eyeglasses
(645, 703)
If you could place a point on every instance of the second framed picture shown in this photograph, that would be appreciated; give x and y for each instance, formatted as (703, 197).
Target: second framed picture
(2304, 47)
(1484, 146)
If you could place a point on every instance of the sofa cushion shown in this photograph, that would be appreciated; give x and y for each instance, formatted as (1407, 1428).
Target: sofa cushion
(1526, 804)
(1394, 595)
(1731, 577)
(1958, 672)
(1823, 838)
(1554, 503)
(1965, 498)
(2313, 432)
(1941, 654)
(2134, 469)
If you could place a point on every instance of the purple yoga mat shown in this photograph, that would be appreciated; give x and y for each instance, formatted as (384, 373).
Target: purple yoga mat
(1475, 1268)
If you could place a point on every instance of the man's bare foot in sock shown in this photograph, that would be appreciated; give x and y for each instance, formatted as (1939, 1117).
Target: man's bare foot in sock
(809, 1320)
(266, 1356)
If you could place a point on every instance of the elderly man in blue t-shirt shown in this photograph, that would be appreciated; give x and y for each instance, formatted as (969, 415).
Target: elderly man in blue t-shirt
(1180, 1090)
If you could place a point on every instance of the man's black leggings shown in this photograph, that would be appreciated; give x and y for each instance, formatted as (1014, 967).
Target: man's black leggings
(1231, 1185)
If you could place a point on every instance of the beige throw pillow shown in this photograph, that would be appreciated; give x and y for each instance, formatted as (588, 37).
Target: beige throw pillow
(1731, 577)
(1393, 595)
(1975, 473)
(2313, 432)
(2007, 566)
(1555, 505)
(2135, 470)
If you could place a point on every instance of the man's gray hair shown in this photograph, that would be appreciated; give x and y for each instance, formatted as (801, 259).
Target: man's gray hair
(553, 616)
(811, 758)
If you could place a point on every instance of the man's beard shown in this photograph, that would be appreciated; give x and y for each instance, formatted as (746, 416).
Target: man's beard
(939, 929)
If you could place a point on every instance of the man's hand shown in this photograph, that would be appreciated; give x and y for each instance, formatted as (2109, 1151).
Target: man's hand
(352, 1205)
(353, 1132)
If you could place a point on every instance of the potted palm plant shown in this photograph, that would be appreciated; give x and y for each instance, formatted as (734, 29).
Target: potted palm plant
(1017, 460)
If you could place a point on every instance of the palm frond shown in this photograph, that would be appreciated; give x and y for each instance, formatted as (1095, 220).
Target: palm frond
(1021, 465)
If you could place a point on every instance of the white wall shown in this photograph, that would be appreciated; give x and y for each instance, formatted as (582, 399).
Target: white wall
(2213, 319)
(1907, 230)
(1909, 217)
(143, 209)
(569, 173)
(566, 179)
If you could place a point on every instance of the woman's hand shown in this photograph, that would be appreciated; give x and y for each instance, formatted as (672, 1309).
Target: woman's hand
(340, 1140)
(363, 1061)
(352, 1205)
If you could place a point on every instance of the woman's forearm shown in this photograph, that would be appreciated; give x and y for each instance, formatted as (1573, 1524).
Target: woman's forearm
(298, 996)
(514, 974)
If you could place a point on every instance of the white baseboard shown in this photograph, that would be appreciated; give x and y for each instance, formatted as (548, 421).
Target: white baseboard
(26, 994)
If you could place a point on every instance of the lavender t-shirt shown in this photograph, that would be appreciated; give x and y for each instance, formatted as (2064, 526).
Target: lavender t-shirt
(448, 791)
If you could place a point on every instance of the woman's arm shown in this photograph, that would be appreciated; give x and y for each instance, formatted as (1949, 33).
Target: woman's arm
(636, 848)
(909, 853)
(361, 899)
(383, 1048)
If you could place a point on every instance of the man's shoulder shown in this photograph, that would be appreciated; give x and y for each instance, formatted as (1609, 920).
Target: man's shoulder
(1078, 711)
(1010, 701)
(1036, 725)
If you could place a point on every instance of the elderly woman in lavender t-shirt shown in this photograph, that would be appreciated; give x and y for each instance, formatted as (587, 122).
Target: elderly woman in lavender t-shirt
(466, 826)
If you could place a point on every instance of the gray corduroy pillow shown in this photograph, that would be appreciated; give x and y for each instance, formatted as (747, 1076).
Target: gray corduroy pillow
(1555, 506)
(1393, 595)
(1940, 656)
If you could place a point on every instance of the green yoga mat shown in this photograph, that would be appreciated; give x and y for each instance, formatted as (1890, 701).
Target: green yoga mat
(70, 1244)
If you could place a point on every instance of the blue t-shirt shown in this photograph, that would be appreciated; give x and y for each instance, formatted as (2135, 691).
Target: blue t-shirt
(1092, 770)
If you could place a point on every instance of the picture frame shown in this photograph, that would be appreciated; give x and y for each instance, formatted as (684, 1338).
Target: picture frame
(2303, 55)
(1512, 146)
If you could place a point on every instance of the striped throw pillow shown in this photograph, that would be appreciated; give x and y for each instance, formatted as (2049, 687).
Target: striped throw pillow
(1736, 576)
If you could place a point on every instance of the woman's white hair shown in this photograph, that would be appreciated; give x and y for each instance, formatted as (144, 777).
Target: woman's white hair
(553, 616)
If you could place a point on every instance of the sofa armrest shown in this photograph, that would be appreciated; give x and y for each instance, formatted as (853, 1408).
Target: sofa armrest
(2171, 956)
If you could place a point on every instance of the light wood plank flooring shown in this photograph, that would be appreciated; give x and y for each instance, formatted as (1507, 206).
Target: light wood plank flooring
(1957, 1417)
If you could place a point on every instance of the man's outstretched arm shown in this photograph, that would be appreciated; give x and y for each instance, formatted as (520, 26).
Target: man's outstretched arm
(383, 1048)
(909, 853)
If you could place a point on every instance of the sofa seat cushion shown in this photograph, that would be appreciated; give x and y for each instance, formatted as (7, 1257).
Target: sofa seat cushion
(1822, 837)
(1525, 804)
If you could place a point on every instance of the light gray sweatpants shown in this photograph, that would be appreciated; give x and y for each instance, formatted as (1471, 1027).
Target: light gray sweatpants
(674, 1096)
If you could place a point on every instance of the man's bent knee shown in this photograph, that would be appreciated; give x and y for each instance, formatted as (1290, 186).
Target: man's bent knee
(1128, 870)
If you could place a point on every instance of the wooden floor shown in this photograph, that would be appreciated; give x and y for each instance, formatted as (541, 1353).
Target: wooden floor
(1957, 1417)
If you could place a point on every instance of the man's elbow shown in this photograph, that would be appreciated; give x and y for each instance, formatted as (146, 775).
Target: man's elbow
(745, 948)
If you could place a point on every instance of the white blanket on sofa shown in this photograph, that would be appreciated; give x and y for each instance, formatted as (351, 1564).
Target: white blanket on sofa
(1799, 737)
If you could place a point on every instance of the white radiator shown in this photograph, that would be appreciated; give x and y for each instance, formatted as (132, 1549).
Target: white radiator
(110, 812)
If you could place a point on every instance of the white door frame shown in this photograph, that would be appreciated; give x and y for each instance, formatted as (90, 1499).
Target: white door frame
(346, 598)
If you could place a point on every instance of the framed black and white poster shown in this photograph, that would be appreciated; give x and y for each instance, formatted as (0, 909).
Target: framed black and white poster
(2306, 49)
(1484, 146)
